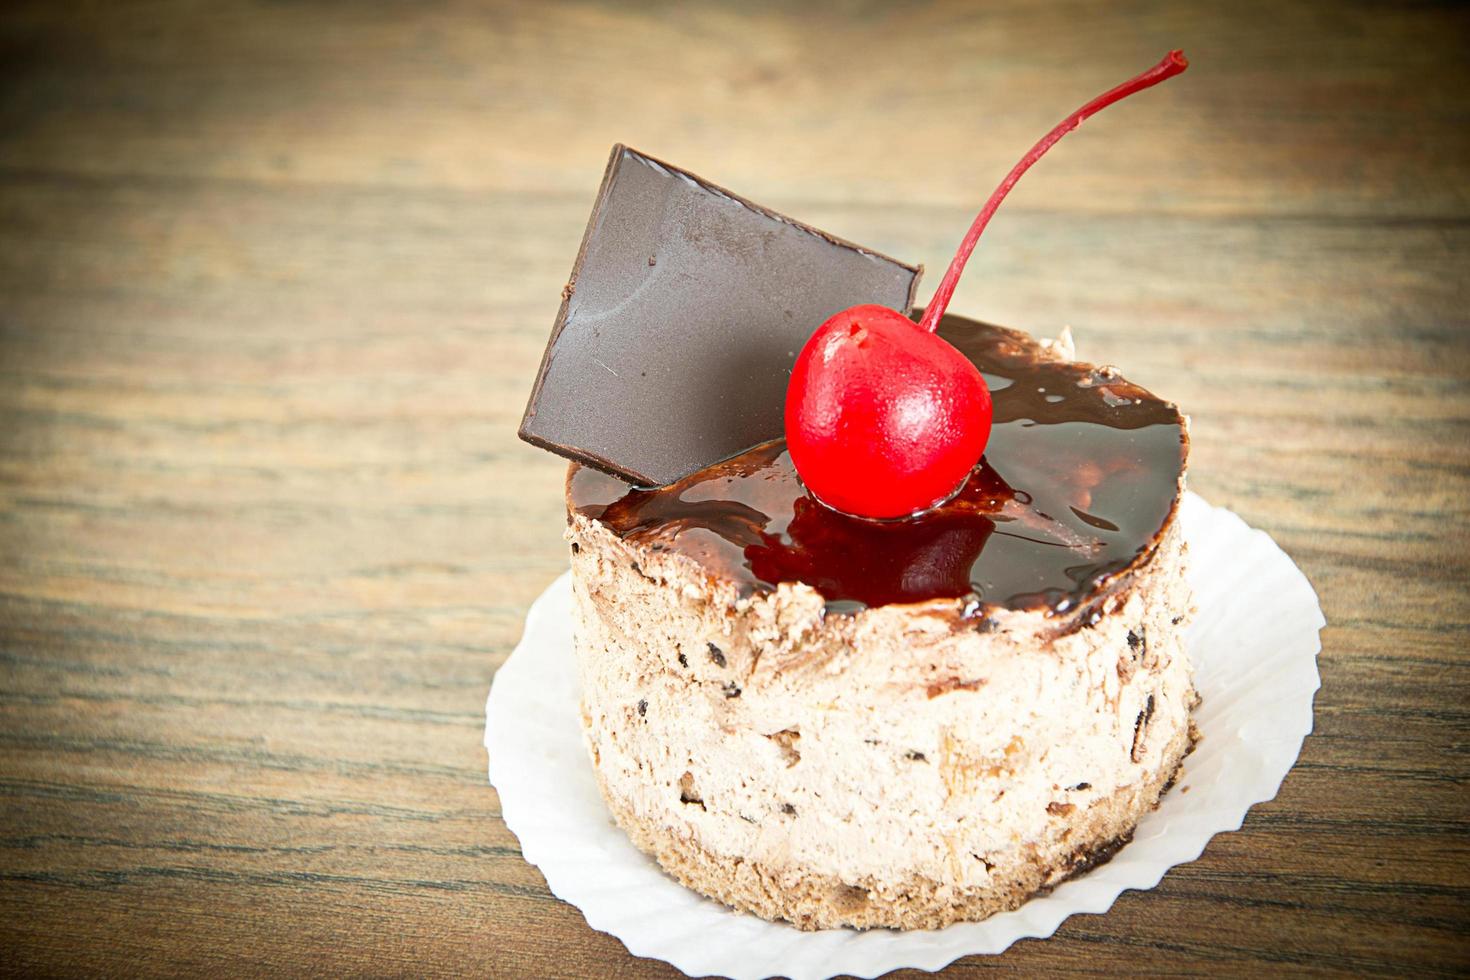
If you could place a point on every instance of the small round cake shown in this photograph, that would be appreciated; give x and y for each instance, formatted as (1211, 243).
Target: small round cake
(843, 722)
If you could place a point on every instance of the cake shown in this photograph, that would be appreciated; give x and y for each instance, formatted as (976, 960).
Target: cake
(836, 722)
(885, 633)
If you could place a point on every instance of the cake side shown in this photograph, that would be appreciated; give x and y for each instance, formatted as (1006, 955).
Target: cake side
(900, 767)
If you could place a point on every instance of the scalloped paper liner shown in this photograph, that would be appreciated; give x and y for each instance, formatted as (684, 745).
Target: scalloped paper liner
(1254, 648)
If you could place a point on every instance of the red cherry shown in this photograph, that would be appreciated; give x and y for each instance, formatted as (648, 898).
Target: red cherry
(885, 419)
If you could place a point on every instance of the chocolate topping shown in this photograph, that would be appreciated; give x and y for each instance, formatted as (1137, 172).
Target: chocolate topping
(1078, 482)
(685, 311)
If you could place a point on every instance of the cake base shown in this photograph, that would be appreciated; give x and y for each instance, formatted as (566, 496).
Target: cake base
(810, 900)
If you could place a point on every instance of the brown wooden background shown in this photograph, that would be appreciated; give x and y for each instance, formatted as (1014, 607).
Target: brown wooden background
(274, 279)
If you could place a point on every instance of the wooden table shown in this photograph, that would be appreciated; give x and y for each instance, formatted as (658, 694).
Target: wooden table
(274, 280)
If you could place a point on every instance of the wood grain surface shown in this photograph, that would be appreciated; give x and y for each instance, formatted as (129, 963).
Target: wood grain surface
(274, 281)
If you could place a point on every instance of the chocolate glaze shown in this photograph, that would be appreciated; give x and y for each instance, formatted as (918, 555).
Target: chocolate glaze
(1079, 480)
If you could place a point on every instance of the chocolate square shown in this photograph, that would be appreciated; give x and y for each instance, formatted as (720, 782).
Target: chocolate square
(685, 312)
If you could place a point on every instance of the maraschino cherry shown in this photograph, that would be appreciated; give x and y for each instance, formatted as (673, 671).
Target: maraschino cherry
(884, 419)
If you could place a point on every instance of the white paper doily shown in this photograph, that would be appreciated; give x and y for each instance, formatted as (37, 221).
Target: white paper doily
(1254, 648)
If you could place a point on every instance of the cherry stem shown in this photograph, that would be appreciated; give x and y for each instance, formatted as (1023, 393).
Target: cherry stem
(1174, 63)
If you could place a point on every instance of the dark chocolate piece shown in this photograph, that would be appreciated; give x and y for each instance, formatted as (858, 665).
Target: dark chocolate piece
(685, 312)
(1079, 479)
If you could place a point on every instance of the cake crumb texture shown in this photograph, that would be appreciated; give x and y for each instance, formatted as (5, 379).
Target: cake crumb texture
(900, 767)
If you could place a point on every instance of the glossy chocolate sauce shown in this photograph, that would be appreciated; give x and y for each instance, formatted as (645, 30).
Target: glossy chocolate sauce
(1078, 481)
